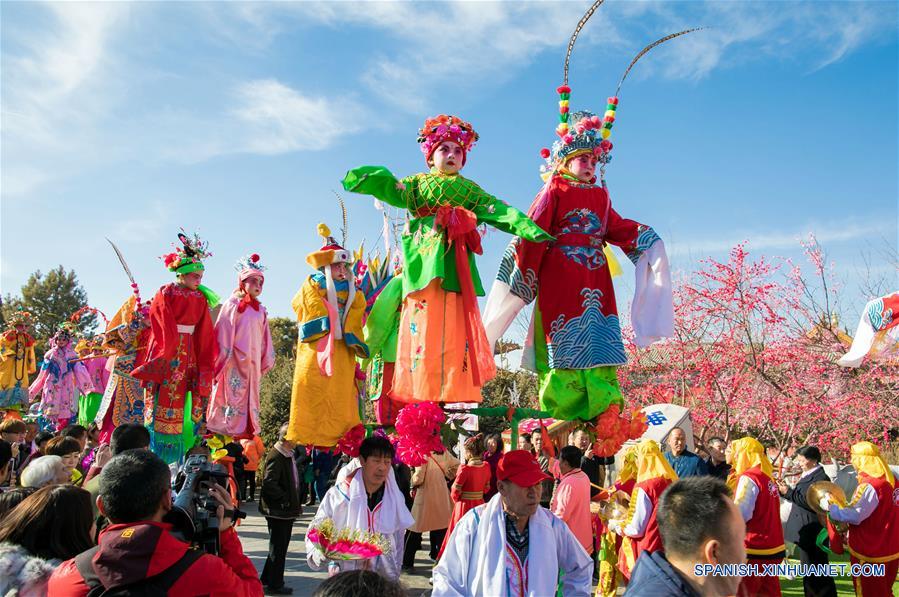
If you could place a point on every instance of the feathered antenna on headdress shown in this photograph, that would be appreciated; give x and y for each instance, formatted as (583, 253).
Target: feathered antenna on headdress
(564, 90)
(134, 287)
(563, 130)
(344, 231)
(612, 105)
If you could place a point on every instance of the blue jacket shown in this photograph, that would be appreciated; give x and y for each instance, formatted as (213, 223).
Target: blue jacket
(653, 576)
(687, 464)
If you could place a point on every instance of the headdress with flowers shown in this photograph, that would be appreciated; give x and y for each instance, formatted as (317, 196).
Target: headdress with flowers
(249, 265)
(583, 132)
(20, 317)
(442, 128)
(67, 330)
(189, 258)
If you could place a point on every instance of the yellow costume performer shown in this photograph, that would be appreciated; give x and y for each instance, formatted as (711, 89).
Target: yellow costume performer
(17, 361)
(324, 403)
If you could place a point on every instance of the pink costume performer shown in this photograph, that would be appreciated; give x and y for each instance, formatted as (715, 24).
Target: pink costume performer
(61, 378)
(245, 355)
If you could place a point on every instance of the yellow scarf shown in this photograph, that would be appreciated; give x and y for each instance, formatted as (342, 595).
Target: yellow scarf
(651, 464)
(866, 458)
(628, 466)
(748, 452)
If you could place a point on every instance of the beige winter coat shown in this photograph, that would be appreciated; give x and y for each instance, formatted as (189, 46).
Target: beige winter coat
(433, 507)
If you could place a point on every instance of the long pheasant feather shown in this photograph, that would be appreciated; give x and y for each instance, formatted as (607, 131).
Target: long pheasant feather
(343, 216)
(122, 261)
(577, 30)
(647, 49)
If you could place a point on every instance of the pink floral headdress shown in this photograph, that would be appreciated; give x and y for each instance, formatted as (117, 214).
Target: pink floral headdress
(446, 128)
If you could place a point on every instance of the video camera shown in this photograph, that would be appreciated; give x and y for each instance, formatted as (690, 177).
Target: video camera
(192, 516)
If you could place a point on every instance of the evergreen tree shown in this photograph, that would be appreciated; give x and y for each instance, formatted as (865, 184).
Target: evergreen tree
(51, 299)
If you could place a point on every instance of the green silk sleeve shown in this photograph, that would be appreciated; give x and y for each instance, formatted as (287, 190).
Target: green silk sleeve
(383, 320)
(376, 181)
(503, 216)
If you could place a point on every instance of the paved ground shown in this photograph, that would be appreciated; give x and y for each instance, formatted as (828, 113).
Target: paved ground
(297, 575)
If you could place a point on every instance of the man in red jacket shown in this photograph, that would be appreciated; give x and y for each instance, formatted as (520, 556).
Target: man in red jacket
(138, 549)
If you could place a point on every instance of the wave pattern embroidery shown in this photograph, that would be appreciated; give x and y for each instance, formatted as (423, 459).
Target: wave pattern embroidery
(588, 340)
(646, 236)
(522, 283)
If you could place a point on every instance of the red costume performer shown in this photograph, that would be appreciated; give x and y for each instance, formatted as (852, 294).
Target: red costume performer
(177, 366)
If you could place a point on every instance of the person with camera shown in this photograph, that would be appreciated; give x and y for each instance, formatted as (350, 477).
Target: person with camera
(138, 553)
(279, 502)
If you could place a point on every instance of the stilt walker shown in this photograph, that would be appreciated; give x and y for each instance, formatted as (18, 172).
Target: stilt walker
(62, 377)
(574, 339)
(442, 351)
(324, 402)
(17, 361)
(245, 354)
(177, 366)
(123, 398)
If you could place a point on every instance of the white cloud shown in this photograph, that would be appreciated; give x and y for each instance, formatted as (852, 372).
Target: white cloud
(279, 119)
(57, 82)
(72, 76)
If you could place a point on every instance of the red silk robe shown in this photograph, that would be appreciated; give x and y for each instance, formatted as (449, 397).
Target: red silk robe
(179, 357)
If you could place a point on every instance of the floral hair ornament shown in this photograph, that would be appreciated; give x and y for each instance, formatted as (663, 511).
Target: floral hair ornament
(442, 128)
(64, 332)
(249, 265)
(20, 317)
(188, 258)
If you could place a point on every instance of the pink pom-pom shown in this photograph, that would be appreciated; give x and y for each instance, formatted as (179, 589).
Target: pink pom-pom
(254, 257)
(544, 153)
(567, 139)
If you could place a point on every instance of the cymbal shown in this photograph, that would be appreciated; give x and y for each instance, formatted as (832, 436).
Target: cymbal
(824, 488)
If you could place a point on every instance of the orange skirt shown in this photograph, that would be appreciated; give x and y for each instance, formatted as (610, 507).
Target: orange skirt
(433, 356)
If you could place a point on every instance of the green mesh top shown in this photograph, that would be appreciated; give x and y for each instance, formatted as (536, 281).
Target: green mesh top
(425, 251)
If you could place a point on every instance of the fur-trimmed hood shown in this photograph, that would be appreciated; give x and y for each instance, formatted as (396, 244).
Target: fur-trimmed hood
(22, 574)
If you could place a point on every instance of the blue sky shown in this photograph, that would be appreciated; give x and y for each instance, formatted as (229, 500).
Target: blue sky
(130, 120)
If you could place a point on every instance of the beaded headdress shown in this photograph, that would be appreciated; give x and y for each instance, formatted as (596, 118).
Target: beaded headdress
(442, 128)
(189, 256)
(19, 317)
(249, 265)
(582, 132)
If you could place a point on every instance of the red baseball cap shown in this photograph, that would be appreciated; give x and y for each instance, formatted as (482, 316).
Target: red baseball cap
(520, 467)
